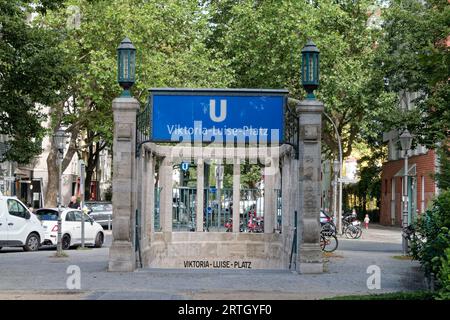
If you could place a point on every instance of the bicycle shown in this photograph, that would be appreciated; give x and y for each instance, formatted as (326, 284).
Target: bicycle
(328, 227)
(351, 227)
(328, 241)
(353, 231)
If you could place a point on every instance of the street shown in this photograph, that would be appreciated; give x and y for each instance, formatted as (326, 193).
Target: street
(39, 275)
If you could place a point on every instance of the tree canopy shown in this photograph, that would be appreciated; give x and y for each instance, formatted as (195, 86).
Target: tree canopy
(32, 74)
(414, 56)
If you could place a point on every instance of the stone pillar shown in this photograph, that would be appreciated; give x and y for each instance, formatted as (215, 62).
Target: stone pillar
(165, 204)
(200, 193)
(269, 198)
(142, 188)
(122, 253)
(310, 126)
(149, 197)
(287, 209)
(236, 194)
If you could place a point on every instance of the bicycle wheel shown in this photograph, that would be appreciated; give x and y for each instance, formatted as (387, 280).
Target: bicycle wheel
(351, 232)
(322, 242)
(359, 234)
(331, 243)
(356, 233)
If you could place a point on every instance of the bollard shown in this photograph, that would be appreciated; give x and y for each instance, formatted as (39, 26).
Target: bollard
(109, 222)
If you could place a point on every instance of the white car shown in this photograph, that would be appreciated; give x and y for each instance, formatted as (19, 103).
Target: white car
(71, 228)
(18, 226)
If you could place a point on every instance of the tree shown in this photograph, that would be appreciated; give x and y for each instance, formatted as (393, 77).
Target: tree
(263, 42)
(414, 55)
(169, 38)
(32, 74)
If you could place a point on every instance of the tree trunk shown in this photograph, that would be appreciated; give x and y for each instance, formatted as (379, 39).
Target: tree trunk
(93, 157)
(52, 184)
(53, 170)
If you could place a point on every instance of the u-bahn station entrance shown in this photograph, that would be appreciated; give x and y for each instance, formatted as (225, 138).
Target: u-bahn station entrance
(181, 195)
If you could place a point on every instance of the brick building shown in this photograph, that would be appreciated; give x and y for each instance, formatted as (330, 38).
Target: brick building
(422, 164)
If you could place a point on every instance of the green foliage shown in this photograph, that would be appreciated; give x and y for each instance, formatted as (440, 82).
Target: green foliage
(32, 71)
(169, 39)
(416, 295)
(444, 276)
(443, 176)
(251, 175)
(432, 234)
(262, 40)
(414, 57)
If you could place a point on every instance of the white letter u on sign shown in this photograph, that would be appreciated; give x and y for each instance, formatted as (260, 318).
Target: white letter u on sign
(212, 110)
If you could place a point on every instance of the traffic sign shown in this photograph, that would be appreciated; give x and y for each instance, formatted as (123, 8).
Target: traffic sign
(185, 166)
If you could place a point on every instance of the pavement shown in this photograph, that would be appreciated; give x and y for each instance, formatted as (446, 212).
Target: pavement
(39, 275)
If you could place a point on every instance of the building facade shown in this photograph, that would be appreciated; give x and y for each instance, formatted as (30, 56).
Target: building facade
(422, 165)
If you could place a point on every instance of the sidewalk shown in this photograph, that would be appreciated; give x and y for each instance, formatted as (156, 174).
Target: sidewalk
(379, 233)
(38, 275)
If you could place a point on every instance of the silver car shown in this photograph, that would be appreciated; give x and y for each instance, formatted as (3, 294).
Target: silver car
(101, 212)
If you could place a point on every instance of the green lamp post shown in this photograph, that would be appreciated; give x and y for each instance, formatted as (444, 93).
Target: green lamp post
(126, 56)
(310, 68)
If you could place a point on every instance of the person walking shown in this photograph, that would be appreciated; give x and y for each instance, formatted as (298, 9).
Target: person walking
(366, 221)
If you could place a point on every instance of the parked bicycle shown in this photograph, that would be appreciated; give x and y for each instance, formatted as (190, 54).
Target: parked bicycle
(328, 240)
(351, 227)
(353, 230)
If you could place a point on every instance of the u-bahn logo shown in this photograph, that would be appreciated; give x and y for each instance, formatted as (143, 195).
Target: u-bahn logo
(212, 110)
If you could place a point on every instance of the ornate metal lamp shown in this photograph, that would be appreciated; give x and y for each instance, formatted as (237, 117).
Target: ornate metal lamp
(310, 68)
(126, 61)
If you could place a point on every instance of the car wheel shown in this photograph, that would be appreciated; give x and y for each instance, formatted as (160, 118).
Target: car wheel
(32, 243)
(99, 240)
(65, 242)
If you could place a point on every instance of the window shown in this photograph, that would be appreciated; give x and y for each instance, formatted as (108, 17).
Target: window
(422, 195)
(70, 216)
(47, 215)
(77, 215)
(15, 208)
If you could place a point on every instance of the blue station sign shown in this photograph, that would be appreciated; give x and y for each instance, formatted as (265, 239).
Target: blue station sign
(217, 115)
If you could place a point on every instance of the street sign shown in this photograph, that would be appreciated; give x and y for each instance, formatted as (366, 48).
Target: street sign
(219, 115)
(185, 166)
(212, 189)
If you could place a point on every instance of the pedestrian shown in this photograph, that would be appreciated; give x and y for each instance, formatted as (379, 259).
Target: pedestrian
(366, 221)
(74, 204)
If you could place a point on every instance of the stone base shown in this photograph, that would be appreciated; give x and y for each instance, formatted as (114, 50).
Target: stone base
(122, 257)
(228, 250)
(308, 268)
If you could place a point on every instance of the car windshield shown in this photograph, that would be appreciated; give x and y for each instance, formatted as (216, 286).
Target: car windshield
(47, 215)
(99, 206)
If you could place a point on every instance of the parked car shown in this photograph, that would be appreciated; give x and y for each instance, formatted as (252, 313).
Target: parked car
(101, 212)
(18, 226)
(71, 228)
(325, 217)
